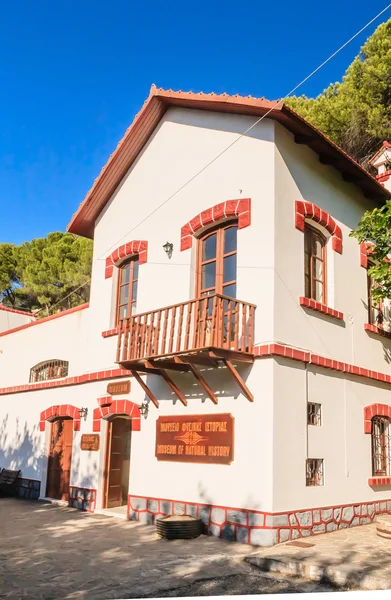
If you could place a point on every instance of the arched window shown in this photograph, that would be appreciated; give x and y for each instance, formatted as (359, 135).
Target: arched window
(381, 446)
(49, 369)
(315, 264)
(127, 288)
(217, 261)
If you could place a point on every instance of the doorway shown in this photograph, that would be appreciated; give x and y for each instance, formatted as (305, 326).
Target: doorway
(60, 459)
(117, 462)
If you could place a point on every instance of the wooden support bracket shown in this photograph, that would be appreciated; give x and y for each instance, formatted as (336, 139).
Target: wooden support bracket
(145, 388)
(174, 387)
(208, 390)
(238, 379)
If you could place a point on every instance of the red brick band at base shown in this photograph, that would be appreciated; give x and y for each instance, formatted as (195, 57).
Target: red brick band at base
(82, 498)
(248, 526)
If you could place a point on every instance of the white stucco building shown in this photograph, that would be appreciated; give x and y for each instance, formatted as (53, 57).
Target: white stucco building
(268, 414)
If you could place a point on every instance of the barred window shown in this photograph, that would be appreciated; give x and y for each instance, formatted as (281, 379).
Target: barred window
(314, 414)
(375, 310)
(381, 446)
(49, 369)
(314, 471)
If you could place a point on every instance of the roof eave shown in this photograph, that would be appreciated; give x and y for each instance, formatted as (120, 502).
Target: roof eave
(158, 101)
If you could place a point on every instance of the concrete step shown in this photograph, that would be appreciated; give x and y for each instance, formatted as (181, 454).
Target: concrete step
(340, 575)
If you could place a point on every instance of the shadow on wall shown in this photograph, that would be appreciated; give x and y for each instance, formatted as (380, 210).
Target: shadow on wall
(22, 449)
(231, 524)
(89, 469)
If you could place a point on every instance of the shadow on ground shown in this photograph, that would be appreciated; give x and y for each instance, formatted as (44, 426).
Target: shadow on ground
(51, 552)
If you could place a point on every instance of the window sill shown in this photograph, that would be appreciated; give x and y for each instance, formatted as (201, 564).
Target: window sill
(377, 330)
(379, 481)
(322, 308)
(110, 332)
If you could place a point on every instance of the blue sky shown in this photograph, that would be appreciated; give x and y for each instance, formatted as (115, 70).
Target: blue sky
(74, 73)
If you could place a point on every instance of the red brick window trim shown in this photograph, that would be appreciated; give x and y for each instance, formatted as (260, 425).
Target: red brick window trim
(60, 410)
(241, 209)
(322, 308)
(377, 330)
(118, 407)
(308, 210)
(136, 248)
(365, 251)
(375, 410)
(379, 481)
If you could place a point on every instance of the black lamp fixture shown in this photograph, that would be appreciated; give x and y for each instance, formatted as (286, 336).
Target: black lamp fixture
(83, 412)
(168, 248)
(144, 408)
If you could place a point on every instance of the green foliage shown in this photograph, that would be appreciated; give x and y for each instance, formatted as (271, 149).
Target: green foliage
(375, 228)
(46, 272)
(356, 113)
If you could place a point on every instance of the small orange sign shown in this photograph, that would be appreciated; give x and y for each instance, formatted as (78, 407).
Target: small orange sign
(90, 442)
(118, 387)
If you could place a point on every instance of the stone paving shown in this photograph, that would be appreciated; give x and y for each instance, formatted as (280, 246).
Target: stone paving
(50, 552)
(355, 557)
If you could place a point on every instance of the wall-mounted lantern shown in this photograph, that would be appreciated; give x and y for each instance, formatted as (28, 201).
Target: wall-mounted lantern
(83, 412)
(144, 408)
(168, 248)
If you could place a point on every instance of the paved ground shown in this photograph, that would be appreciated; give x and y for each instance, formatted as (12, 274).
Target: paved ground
(355, 557)
(48, 552)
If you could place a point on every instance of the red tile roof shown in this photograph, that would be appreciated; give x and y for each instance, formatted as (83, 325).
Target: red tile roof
(155, 106)
(15, 310)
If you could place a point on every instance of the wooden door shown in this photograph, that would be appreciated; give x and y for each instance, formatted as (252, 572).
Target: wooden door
(60, 458)
(118, 463)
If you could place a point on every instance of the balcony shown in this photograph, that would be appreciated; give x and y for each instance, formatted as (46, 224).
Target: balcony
(203, 331)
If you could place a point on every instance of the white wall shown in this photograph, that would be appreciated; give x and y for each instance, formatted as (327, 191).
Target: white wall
(63, 338)
(300, 176)
(247, 482)
(10, 319)
(183, 143)
(340, 440)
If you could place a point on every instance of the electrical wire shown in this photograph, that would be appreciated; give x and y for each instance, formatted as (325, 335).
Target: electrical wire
(182, 187)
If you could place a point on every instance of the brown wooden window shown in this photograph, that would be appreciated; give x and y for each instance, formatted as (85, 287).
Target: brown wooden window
(315, 265)
(314, 471)
(127, 288)
(375, 311)
(49, 369)
(217, 262)
(380, 446)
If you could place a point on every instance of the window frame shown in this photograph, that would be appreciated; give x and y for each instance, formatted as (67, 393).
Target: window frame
(313, 233)
(51, 366)
(219, 259)
(317, 480)
(314, 414)
(385, 446)
(129, 304)
(380, 307)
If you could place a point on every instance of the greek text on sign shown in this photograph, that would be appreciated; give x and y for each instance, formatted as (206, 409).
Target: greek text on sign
(89, 441)
(196, 438)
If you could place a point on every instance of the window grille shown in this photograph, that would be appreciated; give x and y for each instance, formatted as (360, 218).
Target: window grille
(381, 446)
(314, 471)
(375, 311)
(50, 369)
(314, 414)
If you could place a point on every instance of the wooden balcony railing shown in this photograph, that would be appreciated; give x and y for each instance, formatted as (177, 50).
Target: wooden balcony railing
(214, 321)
